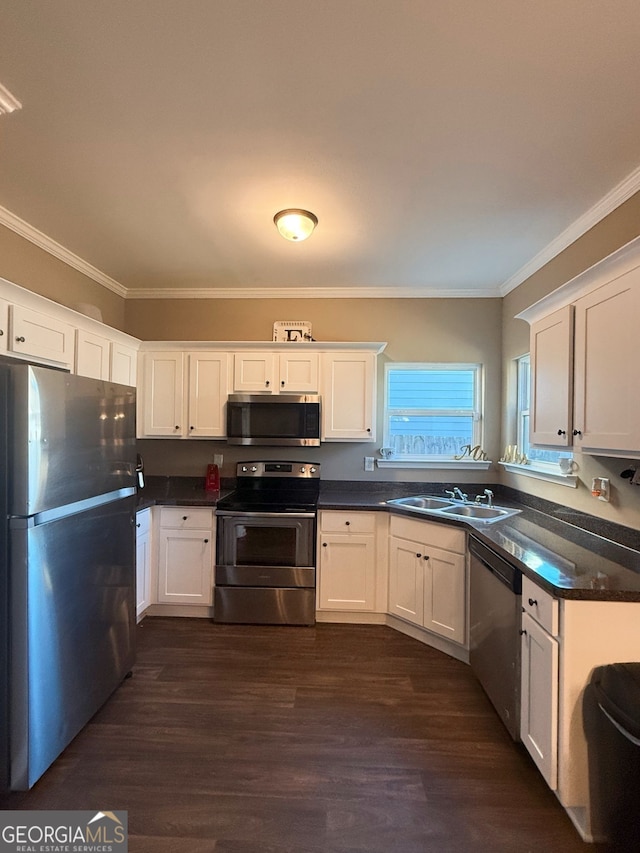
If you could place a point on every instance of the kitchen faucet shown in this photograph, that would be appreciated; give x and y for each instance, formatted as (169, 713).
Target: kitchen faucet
(456, 493)
(487, 496)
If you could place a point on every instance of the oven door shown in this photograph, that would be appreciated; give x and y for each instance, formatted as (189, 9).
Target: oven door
(265, 568)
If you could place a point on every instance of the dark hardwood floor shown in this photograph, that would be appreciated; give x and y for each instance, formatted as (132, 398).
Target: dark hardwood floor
(333, 739)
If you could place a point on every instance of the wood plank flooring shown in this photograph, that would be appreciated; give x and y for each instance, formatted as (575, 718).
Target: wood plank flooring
(333, 739)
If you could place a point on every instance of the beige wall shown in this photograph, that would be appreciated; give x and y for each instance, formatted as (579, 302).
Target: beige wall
(464, 330)
(614, 231)
(481, 330)
(24, 263)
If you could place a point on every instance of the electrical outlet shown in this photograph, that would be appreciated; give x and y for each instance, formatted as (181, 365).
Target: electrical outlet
(369, 463)
(218, 459)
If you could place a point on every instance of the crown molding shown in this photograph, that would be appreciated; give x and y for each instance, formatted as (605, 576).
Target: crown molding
(607, 204)
(8, 103)
(306, 293)
(13, 222)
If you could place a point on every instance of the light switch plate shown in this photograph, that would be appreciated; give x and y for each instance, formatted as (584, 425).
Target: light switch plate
(369, 463)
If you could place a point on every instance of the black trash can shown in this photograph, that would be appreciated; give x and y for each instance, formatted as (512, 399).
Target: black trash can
(612, 727)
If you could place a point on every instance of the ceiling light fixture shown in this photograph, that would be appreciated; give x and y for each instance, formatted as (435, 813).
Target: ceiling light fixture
(295, 224)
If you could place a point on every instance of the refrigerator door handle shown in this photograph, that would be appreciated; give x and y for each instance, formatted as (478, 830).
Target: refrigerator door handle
(21, 522)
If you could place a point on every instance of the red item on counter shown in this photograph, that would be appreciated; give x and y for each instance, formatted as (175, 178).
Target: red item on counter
(212, 482)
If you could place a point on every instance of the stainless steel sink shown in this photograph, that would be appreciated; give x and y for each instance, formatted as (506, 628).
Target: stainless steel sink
(443, 507)
(484, 513)
(423, 502)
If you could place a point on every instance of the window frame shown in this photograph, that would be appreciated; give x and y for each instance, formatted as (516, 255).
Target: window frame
(540, 468)
(476, 414)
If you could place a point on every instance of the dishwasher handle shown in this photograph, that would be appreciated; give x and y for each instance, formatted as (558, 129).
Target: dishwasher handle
(504, 571)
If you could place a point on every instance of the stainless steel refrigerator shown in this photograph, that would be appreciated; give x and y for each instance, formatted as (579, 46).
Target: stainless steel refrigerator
(67, 449)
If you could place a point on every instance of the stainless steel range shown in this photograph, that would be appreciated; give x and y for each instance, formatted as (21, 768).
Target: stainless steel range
(266, 545)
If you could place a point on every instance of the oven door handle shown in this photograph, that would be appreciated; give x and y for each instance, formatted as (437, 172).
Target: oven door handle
(241, 514)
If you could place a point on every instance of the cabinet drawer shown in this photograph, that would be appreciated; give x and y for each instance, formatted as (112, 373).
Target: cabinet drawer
(143, 521)
(347, 522)
(440, 535)
(540, 606)
(186, 518)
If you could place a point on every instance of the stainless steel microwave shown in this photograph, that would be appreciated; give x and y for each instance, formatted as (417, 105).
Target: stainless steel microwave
(284, 420)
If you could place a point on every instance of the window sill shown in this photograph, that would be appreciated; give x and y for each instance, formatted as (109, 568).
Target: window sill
(454, 464)
(561, 479)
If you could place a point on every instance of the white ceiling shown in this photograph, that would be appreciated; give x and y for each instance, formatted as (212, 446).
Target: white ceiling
(443, 144)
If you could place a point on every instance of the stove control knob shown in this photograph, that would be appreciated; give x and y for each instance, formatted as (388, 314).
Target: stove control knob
(313, 470)
(244, 469)
(253, 469)
(303, 470)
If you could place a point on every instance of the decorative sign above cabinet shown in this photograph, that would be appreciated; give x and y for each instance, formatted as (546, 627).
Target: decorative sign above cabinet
(285, 331)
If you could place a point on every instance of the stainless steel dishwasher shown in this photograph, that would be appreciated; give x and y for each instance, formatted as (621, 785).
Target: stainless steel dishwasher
(495, 617)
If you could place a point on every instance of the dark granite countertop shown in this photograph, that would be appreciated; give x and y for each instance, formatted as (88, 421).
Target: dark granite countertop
(178, 491)
(565, 558)
(568, 553)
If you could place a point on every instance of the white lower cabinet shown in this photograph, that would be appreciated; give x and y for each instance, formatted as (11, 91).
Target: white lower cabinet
(428, 576)
(565, 640)
(539, 679)
(143, 561)
(185, 555)
(346, 561)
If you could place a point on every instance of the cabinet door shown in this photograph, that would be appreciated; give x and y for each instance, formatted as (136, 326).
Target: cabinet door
(208, 391)
(163, 394)
(346, 574)
(123, 363)
(92, 355)
(298, 373)
(185, 568)
(607, 407)
(143, 561)
(348, 396)
(40, 336)
(4, 325)
(552, 379)
(539, 698)
(255, 372)
(445, 593)
(406, 580)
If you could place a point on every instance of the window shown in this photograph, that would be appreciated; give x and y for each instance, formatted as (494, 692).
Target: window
(432, 410)
(538, 456)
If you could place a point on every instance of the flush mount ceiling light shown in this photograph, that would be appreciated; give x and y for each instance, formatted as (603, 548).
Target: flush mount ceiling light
(295, 224)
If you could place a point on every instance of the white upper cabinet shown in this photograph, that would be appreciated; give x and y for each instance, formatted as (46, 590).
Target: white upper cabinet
(294, 372)
(184, 394)
(35, 328)
(163, 394)
(184, 387)
(37, 335)
(606, 407)
(4, 325)
(102, 358)
(348, 396)
(123, 364)
(208, 390)
(583, 360)
(256, 372)
(92, 355)
(298, 373)
(552, 379)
